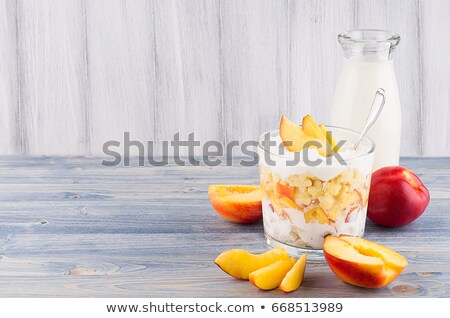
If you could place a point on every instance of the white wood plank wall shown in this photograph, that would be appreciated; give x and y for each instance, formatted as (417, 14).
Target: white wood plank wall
(74, 74)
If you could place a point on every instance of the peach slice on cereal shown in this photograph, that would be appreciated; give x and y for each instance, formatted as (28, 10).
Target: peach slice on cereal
(293, 136)
(310, 135)
(312, 129)
(329, 137)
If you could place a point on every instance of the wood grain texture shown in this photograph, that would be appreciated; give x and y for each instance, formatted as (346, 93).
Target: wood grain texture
(52, 77)
(435, 70)
(254, 51)
(70, 227)
(315, 55)
(9, 102)
(188, 70)
(75, 74)
(121, 71)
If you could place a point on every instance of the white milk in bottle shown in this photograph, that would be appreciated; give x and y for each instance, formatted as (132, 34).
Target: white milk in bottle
(367, 65)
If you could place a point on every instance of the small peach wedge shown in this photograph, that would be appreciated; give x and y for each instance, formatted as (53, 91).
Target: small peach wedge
(329, 137)
(237, 203)
(308, 135)
(271, 276)
(312, 129)
(362, 262)
(294, 138)
(239, 263)
(294, 277)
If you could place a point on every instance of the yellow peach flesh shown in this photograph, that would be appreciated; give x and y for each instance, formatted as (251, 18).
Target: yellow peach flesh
(237, 203)
(271, 276)
(361, 262)
(294, 277)
(239, 263)
(292, 135)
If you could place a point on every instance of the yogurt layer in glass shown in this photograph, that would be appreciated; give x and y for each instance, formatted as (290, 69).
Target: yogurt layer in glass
(307, 196)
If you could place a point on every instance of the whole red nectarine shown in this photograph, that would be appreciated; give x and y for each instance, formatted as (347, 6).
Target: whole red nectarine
(397, 197)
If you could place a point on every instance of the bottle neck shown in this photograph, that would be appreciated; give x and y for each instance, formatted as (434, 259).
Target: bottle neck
(369, 44)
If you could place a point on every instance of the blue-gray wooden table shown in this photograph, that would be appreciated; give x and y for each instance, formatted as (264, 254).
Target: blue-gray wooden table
(70, 227)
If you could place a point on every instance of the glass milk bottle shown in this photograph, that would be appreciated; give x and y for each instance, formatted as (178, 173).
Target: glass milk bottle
(367, 65)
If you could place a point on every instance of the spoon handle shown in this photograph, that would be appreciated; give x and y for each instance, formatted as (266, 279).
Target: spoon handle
(375, 110)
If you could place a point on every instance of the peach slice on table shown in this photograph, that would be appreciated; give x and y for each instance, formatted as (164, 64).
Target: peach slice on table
(294, 277)
(237, 203)
(293, 136)
(239, 263)
(362, 262)
(316, 214)
(271, 276)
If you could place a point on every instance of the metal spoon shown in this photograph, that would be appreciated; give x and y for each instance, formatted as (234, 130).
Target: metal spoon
(375, 110)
